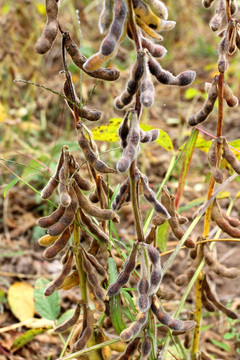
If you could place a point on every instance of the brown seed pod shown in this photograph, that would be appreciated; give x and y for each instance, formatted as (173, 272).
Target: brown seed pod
(207, 303)
(65, 199)
(230, 157)
(151, 198)
(84, 112)
(123, 130)
(232, 31)
(181, 219)
(158, 220)
(59, 245)
(231, 99)
(207, 3)
(205, 356)
(213, 160)
(106, 16)
(69, 322)
(54, 181)
(156, 50)
(130, 349)
(188, 335)
(111, 42)
(89, 154)
(223, 50)
(231, 220)
(154, 255)
(82, 183)
(122, 195)
(222, 222)
(135, 327)
(70, 281)
(96, 264)
(151, 237)
(206, 287)
(93, 228)
(166, 295)
(207, 108)
(218, 268)
(146, 347)
(156, 274)
(183, 279)
(166, 319)
(87, 328)
(132, 85)
(132, 148)
(233, 7)
(143, 284)
(92, 278)
(56, 283)
(148, 136)
(67, 218)
(147, 87)
(158, 8)
(79, 60)
(47, 221)
(124, 275)
(220, 14)
(94, 196)
(47, 240)
(50, 30)
(167, 78)
(153, 34)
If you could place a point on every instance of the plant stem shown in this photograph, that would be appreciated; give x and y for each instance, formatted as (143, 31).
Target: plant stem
(198, 316)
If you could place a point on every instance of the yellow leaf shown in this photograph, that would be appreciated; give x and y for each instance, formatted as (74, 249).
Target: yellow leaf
(107, 132)
(223, 195)
(20, 299)
(41, 8)
(3, 114)
(28, 125)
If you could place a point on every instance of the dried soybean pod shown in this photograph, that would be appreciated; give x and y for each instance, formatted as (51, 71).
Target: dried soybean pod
(70, 281)
(205, 356)
(82, 183)
(158, 8)
(207, 3)
(60, 278)
(156, 274)
(132, 85)
(181, 219)
(231, 99)
(92, 278)
(167, 78)
(99, 304)
(151, 237)
(143, 284)
(124, 275)
(93, 228)
(132, 148)
(58, 246)
(183, 279)
(206, 287)
(154, 255)
(65, 199)
(207, 303)
(230, 157)
(147, 136)
(54, 181)
(148, 30)
(50, 30)
(47, 240)
(232, 33)
(67, 218)
(84, 112)
(143, 12)
(70, 322)
(135, 328)
(146, 347)
(158, 220)
(89, 154)
(213, 160)
(79, 59)
(94, 196)
(130, 349)
(47, 221)
(96, 264)
(233, 7)
(166, 295)
(231, 220)
(223, 50)
(87, 328)
(123, 130)
(151, 198)
(89, 208)
(121, 195)
(156, 50)
(106, 16)
(220, 13)
(208, 105)
(146, 88)
(165, 319)
(222, 222)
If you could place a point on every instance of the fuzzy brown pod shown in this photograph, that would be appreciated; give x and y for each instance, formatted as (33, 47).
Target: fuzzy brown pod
(166, 319)
(132, 85)
(122, 195)
(207, 3)
(220, 14)
(131, 150)
(147, 87)
(135, 327)
(90, 156)
(65, 199)
(158, 8)
(218, 218)
(69, 322)
(233, 7)
(143, 284)
(146, 347)
(83, 184)
(50, 30)
(111, 42)
(208, 105)
(151, 237)
(94, 228)
(59, 245)
(124, 275)
(156, 50)
(223, 51)
(153, 34)
(123, 130)
(47, 221)
(167, 78)
(54, 181)
(207, 303)
(83, 112)
(230, 157)
(183, 279)
(70, 281)
(87, 328)
(212, 298)
(231, 99)
(148, 136)
(56, 283)
(106, 16)
(213, 161)
(130, 349)
(79, 60)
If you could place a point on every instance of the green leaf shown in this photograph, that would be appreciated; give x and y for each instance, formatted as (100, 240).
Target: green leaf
(229, 336)
(190, 93)
(115, 301)
(65, 316)
(27, 337)
(221, 345)
(47, 306)
(10, 185)
(129, 299)
(161, 236)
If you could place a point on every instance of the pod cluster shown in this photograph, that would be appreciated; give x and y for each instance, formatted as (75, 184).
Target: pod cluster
(148, 285)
